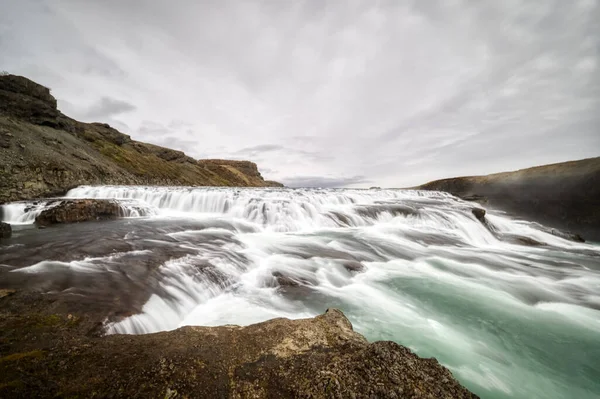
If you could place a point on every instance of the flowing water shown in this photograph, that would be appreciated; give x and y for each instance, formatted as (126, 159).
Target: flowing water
(512, 310)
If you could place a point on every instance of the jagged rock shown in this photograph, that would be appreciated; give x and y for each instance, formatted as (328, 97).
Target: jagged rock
(479, 213)
(280, 358)
(79, 210)
(5, 230)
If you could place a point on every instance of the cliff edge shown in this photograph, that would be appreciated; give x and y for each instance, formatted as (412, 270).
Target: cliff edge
(48, 351)
(45, 153)
(563, 195)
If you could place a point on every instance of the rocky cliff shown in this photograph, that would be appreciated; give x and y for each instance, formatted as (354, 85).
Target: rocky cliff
(44, 153)
(562, 195)
(49, 349)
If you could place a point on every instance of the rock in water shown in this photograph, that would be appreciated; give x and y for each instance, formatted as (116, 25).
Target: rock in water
(479, 213)
(79, 210)
(5, 230)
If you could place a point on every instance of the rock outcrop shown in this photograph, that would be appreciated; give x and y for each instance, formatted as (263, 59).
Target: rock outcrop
(5, 230)
(48, 351)
(565, 195)
(45, 153)
(79, 210)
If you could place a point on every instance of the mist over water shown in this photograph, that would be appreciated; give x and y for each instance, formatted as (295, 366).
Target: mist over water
(510, 320)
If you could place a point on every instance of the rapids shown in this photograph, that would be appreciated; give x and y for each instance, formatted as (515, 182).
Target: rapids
(512, 310)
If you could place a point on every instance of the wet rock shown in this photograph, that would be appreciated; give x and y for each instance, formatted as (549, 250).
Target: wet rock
(353, 266)
(474, 198)
(521, 240)
(375, 210)
(339, 218)
(567, 235)
(79, 210)
(5, 230)
(479, 213)
(288, 281)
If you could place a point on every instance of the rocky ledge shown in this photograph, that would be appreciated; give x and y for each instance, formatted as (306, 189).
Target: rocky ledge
(49, 350)
(78, 210)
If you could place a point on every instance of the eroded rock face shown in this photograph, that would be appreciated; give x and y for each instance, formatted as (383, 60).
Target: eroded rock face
(79, 210)
(5, 230)
(48, 352)
(565, 195)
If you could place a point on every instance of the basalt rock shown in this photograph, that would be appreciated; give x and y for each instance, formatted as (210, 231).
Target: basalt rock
(47, 352)
(479, 213)
(5, 230)
(79, 210)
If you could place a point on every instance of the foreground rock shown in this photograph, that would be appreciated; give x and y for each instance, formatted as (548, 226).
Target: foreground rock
(49, 352)
(45, 153)
(5, 230)
(79, 210)
(565, 196)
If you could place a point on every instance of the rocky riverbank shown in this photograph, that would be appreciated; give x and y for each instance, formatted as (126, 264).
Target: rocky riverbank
(564, 196)
(51, 348)
(44, 153)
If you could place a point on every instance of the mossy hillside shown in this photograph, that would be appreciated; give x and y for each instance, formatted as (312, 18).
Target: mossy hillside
(45, 153)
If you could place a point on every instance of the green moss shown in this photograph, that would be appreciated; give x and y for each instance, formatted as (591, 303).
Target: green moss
(18, 356)
(49, 321)
(11, 384)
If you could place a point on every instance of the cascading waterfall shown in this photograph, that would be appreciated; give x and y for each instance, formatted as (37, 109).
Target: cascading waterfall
(511, 309)
(25, 212)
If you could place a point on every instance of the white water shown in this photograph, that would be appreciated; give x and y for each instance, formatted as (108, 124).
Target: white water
(414, 267)
(25, 212)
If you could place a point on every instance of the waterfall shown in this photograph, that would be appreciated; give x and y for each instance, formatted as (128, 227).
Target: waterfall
(416, 267)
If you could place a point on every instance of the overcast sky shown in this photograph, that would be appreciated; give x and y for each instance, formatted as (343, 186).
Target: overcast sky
(339, 93)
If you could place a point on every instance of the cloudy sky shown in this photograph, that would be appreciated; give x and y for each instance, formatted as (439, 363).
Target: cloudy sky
(327, 93)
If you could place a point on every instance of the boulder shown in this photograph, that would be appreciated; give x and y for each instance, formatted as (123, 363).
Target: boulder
(479, 213)
(79, 210)
(5, 230)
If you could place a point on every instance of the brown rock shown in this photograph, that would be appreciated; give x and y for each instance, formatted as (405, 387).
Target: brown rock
(79, 210)
(479, 213)
(5, 230)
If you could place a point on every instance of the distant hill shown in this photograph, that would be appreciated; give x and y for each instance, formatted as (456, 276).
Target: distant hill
(44, 153)
(562, 195)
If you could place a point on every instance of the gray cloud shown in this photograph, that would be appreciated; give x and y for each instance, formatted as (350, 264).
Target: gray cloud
(324, 182)
(400, 92)
(260, 148)
(108, 108)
